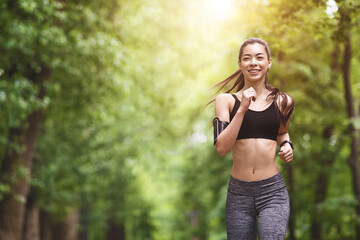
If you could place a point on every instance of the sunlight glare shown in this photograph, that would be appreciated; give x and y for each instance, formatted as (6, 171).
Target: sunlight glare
(331, 8)
(217, 10)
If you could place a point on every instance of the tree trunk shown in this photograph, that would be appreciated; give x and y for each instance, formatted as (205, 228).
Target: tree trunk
(115, 231)
(84, 222)
(32, 219)
(6, 236)
(32, 227)
(68, 228)
(12, 207)
(46, 226)
(353, 160)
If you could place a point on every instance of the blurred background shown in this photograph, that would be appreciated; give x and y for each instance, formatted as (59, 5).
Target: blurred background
(105, 132)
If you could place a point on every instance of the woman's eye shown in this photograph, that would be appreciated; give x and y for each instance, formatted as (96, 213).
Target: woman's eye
(246, 59)
(260, 58)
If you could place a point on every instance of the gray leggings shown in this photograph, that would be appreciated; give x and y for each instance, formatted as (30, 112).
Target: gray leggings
(267, 200)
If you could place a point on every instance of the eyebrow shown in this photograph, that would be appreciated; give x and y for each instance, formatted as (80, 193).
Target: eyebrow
(247, 54)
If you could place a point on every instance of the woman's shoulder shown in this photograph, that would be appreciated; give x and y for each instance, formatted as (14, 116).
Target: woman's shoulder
(224, 101)
(224, 97)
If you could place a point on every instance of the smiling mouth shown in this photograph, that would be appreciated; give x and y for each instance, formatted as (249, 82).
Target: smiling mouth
(254, 71)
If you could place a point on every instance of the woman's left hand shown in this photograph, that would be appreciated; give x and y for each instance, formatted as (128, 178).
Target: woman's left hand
(286, 153)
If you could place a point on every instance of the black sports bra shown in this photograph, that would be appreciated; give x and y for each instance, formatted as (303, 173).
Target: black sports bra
(258, 124)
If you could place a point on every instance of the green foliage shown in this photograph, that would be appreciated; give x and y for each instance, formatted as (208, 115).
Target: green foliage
(124, 129)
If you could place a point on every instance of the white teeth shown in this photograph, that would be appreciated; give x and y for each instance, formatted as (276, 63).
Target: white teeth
(254, 71)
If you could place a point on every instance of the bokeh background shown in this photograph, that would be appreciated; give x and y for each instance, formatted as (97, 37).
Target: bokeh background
(105, 132)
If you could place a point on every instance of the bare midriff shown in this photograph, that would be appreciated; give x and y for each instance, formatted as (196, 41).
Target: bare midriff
(254, 159)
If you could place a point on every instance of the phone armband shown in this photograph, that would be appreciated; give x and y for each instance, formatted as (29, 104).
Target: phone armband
(219, 126)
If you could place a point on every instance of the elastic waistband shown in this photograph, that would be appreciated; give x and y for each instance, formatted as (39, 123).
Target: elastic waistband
(256, 188)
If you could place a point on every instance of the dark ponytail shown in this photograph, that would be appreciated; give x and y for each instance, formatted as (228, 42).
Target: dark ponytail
(239, 83)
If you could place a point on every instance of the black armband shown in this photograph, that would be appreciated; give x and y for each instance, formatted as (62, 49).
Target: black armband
(219, 126)
(287, 141)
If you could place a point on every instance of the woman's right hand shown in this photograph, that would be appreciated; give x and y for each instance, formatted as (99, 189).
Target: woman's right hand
(247, 96)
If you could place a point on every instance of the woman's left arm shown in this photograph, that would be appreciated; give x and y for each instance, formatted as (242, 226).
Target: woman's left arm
(286, 149)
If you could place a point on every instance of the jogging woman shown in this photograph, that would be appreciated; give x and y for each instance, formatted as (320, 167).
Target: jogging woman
(252, 122)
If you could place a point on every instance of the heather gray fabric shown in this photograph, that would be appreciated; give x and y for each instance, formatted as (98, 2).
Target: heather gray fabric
(260, 204)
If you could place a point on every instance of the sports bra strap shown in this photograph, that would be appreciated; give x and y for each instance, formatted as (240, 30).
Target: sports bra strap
(236, 106)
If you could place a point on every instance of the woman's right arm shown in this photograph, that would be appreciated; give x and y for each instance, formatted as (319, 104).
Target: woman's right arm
(227, 137)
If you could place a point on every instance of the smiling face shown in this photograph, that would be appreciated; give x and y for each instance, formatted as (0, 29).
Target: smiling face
(254, 62)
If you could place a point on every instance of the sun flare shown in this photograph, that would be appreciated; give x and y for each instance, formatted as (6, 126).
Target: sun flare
(217, 10)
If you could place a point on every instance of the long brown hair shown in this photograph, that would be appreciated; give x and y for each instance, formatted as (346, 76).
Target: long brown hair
(285, 110)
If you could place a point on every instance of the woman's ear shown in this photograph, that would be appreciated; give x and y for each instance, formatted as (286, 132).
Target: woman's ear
(270, 63)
